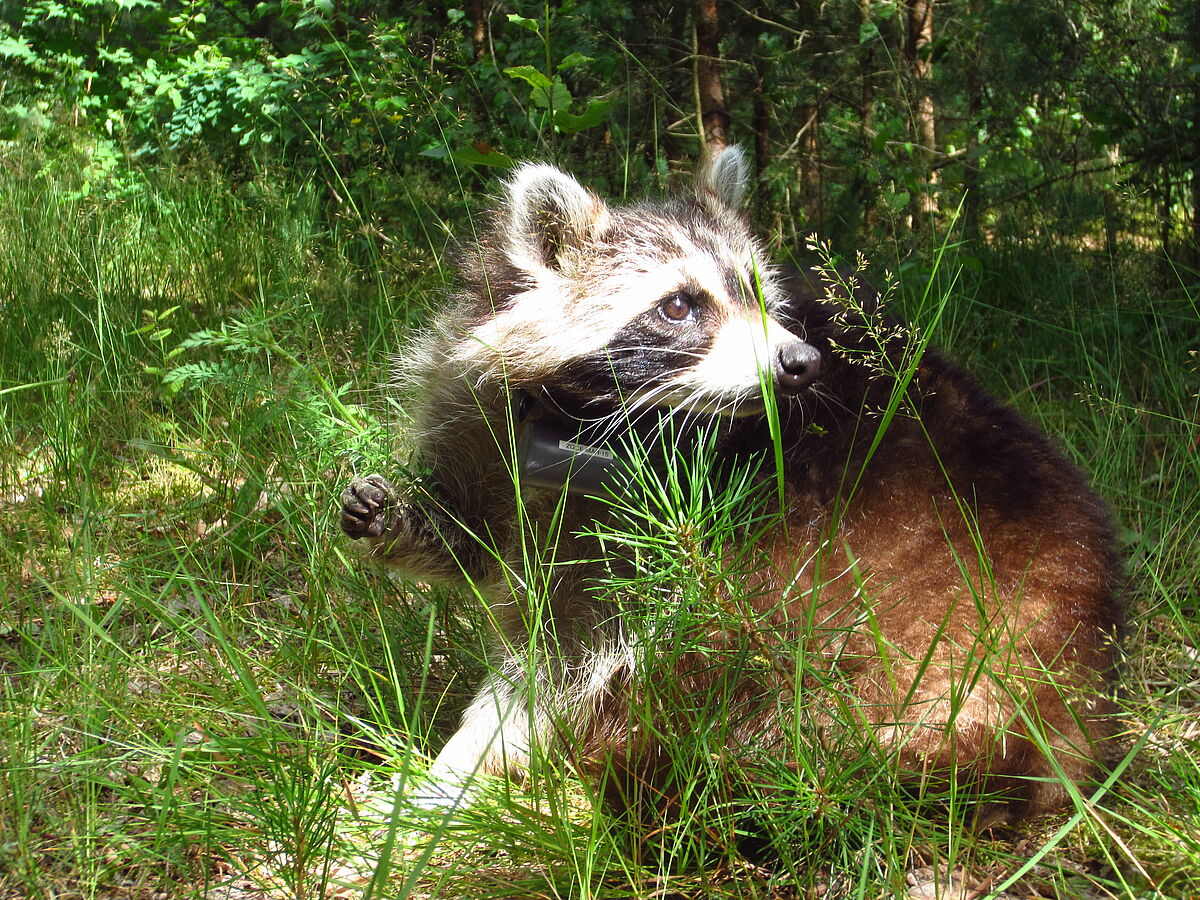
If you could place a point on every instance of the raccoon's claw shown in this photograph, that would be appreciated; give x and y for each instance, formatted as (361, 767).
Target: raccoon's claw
(365, 506)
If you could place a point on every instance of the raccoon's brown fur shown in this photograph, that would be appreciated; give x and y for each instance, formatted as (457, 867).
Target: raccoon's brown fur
(956, 579)
(947, 566)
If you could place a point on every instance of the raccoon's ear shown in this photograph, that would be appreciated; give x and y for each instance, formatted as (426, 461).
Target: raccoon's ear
(549, 212)
(725, 175)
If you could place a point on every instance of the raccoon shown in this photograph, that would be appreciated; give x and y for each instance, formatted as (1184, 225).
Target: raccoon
(955, 569)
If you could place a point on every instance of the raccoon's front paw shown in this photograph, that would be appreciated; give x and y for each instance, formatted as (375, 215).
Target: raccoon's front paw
(367, 506)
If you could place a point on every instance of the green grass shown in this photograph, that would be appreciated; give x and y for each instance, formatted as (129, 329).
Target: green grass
(201, 686)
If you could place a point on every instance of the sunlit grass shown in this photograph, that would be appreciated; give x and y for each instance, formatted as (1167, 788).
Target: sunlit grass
(201, 686)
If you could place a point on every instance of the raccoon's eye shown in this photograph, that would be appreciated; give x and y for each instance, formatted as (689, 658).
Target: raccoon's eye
(677, 307)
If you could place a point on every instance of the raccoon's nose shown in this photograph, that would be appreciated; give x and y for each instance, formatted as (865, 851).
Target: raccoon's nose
(799, 364)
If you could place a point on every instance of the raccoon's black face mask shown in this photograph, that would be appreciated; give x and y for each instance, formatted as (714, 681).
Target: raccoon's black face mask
(653, 306)
(690, 351)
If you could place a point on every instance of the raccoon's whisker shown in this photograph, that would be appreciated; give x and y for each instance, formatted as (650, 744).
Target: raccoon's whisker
(696, 402)
(638, 349)
(634, 411)
(647, 397)
(828, 399)
(691, 416)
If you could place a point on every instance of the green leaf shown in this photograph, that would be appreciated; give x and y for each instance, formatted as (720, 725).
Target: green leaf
(528, 24)
(572, 60)
(470, 156)
(382, 104)
(558, 97)
(196, 373)
(530, 75)
(597, 112)
(17, 49)
(546, 93)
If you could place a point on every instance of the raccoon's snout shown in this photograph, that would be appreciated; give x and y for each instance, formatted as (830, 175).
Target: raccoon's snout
(798, 365)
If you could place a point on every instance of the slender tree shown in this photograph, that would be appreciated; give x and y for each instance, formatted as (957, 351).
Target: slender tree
(917, 45)
(809, 120)
(478, 17)
(866, 102)
(1191, 146)
(714, 113)
(761, 118)
(972, 202)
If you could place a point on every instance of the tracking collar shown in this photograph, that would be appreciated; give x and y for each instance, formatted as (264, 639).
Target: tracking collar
(557, 451)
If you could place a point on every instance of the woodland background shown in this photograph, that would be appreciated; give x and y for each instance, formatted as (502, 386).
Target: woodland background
(218, 219)
(1070, 122)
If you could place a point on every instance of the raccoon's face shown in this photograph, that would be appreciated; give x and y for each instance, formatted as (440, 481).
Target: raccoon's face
(668, 304)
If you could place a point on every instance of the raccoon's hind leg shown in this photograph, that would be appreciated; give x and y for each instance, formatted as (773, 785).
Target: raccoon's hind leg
(494, 739)
(413, 531)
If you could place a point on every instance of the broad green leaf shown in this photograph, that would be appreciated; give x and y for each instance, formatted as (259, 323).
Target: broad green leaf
(556, 98)
(546, 93)
(529, 74)
(528, 24)
(470, 156)
(573, 59)
(596, 113)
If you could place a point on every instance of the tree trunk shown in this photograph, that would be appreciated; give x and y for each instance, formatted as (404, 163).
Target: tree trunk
(810, 187)
(866, 118)
(671, 35)
(714, 114)
(1192, 24)
(1165, 218)
(811, 193)
(762, 120)
(1194, 249)
(478, 27)
(972, 202)
(916, 56)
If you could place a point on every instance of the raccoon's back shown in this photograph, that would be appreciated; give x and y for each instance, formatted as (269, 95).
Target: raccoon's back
(947, 580)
